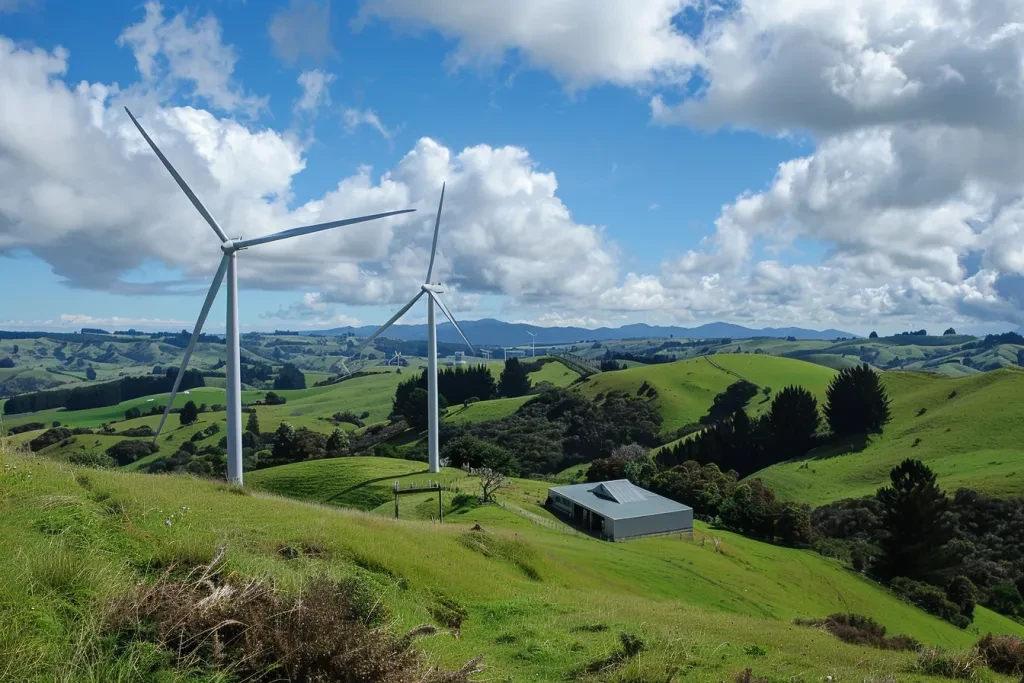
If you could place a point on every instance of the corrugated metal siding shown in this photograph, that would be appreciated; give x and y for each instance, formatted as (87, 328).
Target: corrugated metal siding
(622, 491)
(653, 524)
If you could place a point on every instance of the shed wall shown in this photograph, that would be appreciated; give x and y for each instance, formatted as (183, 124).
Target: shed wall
(653, 524)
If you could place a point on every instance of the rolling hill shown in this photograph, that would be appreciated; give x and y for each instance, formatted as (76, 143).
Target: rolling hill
(685, 389)
(538, 604)
(967, 430)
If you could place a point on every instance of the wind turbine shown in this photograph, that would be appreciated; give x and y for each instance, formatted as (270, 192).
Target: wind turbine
(533, 344)
(228, 266)
(396, 359)
(432, 292)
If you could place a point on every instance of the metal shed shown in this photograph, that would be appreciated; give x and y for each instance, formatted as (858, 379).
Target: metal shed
(616, 510)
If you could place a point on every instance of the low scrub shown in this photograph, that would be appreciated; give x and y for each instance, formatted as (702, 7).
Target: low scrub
(1004, 654)
(932, 600)
(860, 630)
(27, 427)
(144, 430)
(253, 631)
(128, 451)
(964, 666)
(48, 438)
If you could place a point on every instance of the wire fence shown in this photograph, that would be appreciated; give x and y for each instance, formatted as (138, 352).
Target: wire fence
(542, 521)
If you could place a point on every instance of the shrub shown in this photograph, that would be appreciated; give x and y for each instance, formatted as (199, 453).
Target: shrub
(1003, 654)
(257, 633)
(860, 630)
(347, 416)
(92, 459)
(27, 427)
(132, 413)
(189, 414)
(962, 593)
(273, 399)
(144, 430)
(957, 665)
(128, 451)
(48, 438)
(930, 599)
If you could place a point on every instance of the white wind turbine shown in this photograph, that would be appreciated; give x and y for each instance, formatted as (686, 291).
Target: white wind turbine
(533, 344)
(432, 292)
(228, 265)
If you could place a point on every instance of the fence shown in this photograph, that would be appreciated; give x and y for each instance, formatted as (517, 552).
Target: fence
(584, 366)
(541, 521)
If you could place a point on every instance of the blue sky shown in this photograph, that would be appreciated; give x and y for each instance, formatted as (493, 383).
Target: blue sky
(691, 185)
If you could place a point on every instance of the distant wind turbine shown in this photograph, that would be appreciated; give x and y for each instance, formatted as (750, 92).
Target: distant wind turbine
(533, 344)
(228, 265)
(432, 292)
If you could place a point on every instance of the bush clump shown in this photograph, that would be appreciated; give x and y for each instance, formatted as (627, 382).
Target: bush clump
(92, 459)
(1003, 654)
(932, 600)
(144, 430)
(857, 629)
(258, 633)
(957, 665)
(48, 438)
(128, 451)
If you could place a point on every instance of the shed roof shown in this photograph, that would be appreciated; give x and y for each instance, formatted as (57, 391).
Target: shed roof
(618, 499)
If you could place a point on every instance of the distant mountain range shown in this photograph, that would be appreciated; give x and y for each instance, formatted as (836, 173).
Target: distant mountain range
(490, 332)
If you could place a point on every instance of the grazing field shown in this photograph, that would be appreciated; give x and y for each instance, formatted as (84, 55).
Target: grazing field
(539, 604)
(968, 430)
(685, 389)
(483, 411)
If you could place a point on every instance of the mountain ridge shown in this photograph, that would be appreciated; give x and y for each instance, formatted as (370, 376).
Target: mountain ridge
(491, 332)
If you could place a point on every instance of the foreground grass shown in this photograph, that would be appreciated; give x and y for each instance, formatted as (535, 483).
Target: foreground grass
(542, 606)
(967, 430)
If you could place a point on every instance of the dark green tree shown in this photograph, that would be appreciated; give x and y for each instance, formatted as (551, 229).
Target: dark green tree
(132, 413)
(289, 377)
(949, 331)
(793, 526)
(917, 525)
(857, 402)
(412, 406)
(90, 373)
(15, 349)
(873, 335)
(252, 425)
(472, 452)
(337, 443)
(791, 424)
(6, 362)
(962, 592)
(189, 414)
(514, 380)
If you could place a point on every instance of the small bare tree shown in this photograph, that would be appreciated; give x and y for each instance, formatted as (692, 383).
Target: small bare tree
(490, 481)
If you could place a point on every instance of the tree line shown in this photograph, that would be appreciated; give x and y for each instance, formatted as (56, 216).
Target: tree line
(857, 403)
(103, 394)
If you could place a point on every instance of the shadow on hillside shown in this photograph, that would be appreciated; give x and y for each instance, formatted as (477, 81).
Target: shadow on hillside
(372, 481)
(837, 447)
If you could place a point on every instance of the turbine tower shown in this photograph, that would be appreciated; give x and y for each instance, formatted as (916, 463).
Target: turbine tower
(432, 292)
(533, 344)
(228, 266)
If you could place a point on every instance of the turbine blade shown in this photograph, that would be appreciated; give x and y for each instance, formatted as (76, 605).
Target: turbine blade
(181, 183)
(307, 229)
(210, 296)
(437, 227)
(451, 319)
(388, 324)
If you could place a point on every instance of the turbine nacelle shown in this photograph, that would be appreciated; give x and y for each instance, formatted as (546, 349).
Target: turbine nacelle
(433, 289)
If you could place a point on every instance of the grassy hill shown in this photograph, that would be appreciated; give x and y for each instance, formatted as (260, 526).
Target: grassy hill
(966, 429)
(685, 389)
(540, 604)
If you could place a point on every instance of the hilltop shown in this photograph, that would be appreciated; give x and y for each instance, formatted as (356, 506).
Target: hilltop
(967, 430)
(537, 603)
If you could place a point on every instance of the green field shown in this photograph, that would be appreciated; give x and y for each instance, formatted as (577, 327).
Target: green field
(971, 439)
(699, 612)
(687, 388)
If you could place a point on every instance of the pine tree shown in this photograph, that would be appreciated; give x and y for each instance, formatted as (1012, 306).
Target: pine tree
(791, 423)
(873, 335)
(917, 524)
(253, 423)
(514, 380)
(289, 377)
(857, 402)
(189, 414)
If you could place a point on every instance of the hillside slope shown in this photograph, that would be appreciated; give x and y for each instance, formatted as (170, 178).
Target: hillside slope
(686, 389)
(544, 607)
(969, 430)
